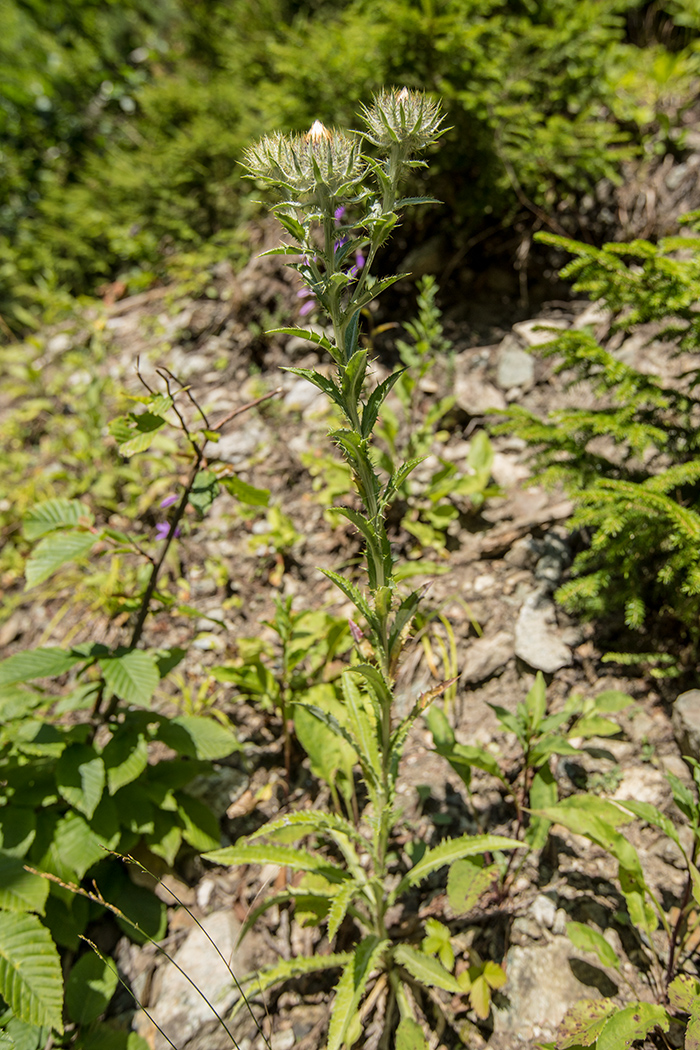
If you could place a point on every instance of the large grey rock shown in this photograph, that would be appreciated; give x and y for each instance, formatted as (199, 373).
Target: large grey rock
(475, 395)
(537, 640)
(177, 1007)
(541, 988)
(686, 723)
(487, 656)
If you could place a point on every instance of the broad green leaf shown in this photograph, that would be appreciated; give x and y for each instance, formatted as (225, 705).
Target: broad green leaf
(631, 1023)
(80, 777)
(467, 881)
(142, 907)
(104, 1037)
(132, 675)
(37, 663)
(204, 491)
(23, 1036)
(363, 724)
(30, 971)
(20, 890)
(135, 433)
(683, 992)
(89, 988)
(285, 856)
(331, 755)
(451, 850)
(612, 700)
(438, 941)
(594, 725)
(54, 514)
(125, 758)
(494, 975)
(589, 940)
(74, 848)
(200, 826)
(480, 997)
(351, 988)
(645, 811)
(426, 969)
(583, 1023)
(246, 493)
(17, 829)
(56, 550)
(166, 838)
(409, 1035)
(199, 737)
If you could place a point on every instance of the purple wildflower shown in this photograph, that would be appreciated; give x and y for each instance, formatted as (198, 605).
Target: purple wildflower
(355, 631)
(163, 530)
(339, 213)
(168, 501)
(308, 306)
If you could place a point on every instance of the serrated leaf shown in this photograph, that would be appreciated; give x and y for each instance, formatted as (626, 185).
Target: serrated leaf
(37, 663)
(204, 491)
(284, 971)
(631, 1023)
(30, 971)
(467, 881)
(133, 675)
(56, 550)
(20, 890)
(351, 987)
(54, 514)
(135, 433)
(284, 856)
(90, 986)
(74, 848)
(426, 969)
(451, 850)
(339, 907)
(589, 940)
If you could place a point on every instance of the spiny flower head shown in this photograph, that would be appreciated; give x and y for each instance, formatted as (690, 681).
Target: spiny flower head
(401, 117)
(301, 163)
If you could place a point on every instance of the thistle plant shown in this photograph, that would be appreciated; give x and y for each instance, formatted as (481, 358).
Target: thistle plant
(387, 983)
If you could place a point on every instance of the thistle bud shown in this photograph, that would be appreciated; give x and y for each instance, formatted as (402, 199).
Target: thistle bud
(322, 157)
(317, 132)
(402, 117)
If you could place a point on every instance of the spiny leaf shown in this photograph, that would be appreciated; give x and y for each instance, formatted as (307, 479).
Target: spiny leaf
(426, 969)
(286, 971)
(451, 850)
(284, 856)
(351, 987)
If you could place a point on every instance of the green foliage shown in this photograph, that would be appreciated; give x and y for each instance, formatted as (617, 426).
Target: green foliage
(539, 736)
(123, 126)
(630, 463)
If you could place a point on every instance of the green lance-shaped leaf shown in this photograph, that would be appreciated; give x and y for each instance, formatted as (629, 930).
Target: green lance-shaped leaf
(131, 675)
(307, 822)
(351, 987)
(402, 623)
(55, 550)
(543, 793)
(363, 725)
(467, 881)
(375, 400)
(379, 561)
(353, 378)
(246, 493)
(313, 337)
(284, 856)
(376, 287)
(426, 969)
(397, 479)
(589, 940)
(450, 851)
(286, 971)
(80, 777)
(20, 890)
(37, 663)
(354, 594)
(324, 383)
(583, 1023)
(631, 1023)
(89, 988)
(536, 701)
(460, 756)
(54, 514)
(30, 971)
(339, 907)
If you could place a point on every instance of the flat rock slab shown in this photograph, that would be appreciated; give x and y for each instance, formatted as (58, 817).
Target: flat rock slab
(537, 640)
(686, 722)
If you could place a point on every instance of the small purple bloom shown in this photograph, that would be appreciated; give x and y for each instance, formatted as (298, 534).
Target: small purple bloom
(308, 306)
(359, 260)
(163, 530)
(339, 213)
(355, 631)
(168, 501)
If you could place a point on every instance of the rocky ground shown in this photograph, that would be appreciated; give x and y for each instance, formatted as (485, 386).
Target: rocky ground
(503, 564)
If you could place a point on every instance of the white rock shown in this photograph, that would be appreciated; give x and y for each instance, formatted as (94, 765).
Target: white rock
(537, 641)
(527, 330)
(475, 395)
(516, 368)
(486, 656)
